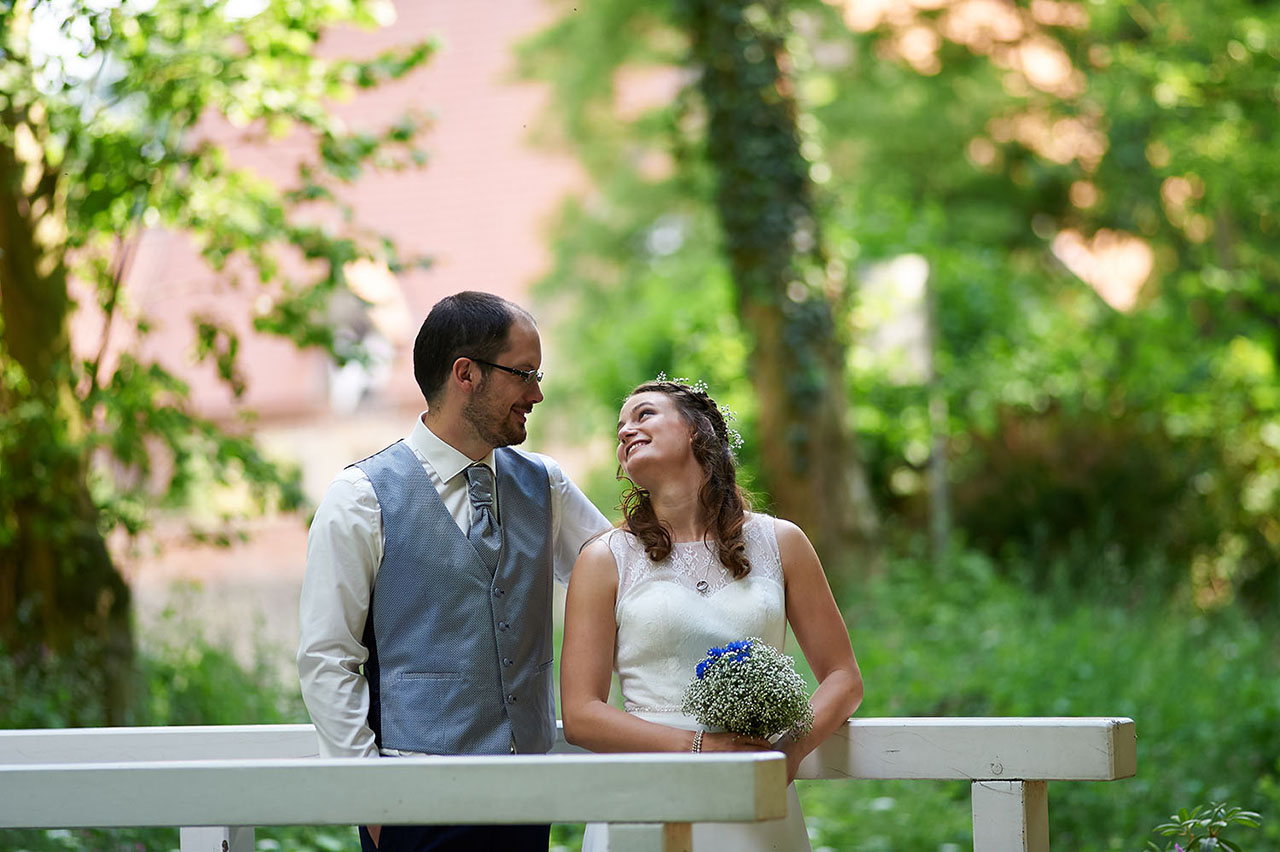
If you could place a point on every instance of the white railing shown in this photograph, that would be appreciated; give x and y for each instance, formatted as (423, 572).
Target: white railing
(221, 781)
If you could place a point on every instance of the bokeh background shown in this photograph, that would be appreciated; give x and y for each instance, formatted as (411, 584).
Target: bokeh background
(991, 286)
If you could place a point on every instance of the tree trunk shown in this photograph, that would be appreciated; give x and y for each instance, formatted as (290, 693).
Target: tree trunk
(786, 298)
(59, 590)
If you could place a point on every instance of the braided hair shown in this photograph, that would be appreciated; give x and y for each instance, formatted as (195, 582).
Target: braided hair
(722, 502)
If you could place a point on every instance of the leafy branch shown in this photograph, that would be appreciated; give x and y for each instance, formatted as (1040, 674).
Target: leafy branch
(1200, 829)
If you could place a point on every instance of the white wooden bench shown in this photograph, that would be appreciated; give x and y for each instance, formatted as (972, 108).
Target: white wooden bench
(221, 781)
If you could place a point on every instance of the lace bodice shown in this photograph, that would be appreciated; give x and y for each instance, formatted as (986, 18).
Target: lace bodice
(666, 622)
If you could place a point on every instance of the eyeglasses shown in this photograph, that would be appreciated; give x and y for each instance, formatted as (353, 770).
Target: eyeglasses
(527, 376)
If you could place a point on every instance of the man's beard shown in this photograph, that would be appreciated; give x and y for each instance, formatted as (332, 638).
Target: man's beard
(493, 426)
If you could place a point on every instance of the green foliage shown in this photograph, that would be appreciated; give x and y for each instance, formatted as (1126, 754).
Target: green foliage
(117, 119)
(712, 190)
(1148, 432)
(130, 156)
(185, 679)
(58, 692)
(1023, 347)
(887, 816)
(669, 314)
(1201, 828)
(762, 188)
(644, 250)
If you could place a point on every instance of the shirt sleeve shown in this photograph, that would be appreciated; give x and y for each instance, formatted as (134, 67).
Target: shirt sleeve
(574, 520)
(344, 549)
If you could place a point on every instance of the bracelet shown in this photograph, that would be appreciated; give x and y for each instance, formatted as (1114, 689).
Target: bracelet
(697, 742)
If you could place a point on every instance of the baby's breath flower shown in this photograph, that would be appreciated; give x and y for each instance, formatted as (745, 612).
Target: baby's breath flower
(734, 437)
(750, 688)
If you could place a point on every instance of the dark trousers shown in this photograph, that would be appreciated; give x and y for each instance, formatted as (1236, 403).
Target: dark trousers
(458, 838)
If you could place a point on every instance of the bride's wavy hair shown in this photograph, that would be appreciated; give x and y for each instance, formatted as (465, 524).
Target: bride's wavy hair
(722, 501)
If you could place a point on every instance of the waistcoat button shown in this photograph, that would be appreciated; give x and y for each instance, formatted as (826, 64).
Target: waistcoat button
(506, 661)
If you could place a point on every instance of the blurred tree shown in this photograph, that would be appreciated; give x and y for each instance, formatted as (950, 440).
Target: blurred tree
(100, 138)
(788, 296)
(725, 154)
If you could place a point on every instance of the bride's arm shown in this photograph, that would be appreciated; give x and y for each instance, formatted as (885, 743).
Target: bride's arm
(820, 629)
(586, 665)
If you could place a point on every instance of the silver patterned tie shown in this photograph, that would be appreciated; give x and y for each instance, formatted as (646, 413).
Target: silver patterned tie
(484, 534)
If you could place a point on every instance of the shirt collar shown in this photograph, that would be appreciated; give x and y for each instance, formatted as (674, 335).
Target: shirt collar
(444, 459)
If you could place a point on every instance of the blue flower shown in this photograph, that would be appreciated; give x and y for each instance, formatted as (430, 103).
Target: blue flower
(735, 652)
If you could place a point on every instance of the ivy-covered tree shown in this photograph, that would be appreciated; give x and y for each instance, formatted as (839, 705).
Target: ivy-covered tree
(87, 159)
(729, 219)
(789, 298)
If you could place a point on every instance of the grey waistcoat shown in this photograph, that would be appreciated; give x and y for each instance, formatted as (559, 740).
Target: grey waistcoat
(459, 660)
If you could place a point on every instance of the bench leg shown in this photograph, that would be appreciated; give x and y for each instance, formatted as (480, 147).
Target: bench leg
(216, 838)
(1010, 816)
(649, 837)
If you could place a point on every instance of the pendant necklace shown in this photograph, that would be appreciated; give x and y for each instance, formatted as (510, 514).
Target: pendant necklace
(703, 587)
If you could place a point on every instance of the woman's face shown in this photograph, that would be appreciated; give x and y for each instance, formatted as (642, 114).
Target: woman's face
(652, 435)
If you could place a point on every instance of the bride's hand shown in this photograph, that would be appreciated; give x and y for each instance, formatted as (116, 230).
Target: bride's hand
(733, 742)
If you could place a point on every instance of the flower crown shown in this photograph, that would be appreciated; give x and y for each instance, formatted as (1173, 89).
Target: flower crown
(733, 436)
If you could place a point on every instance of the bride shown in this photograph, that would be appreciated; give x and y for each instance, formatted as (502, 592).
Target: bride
(691, 568)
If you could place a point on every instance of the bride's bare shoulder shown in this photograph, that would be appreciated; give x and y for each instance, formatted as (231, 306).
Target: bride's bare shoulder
(789, 535)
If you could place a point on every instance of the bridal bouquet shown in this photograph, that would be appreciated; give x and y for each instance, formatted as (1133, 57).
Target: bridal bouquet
(749, 688)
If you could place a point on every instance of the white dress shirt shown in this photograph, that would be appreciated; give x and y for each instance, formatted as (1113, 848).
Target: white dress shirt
(344, 550)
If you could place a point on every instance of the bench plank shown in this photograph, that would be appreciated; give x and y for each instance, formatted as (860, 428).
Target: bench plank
(998, 749)
(411, 790)
(1038, 748)
(183, 742)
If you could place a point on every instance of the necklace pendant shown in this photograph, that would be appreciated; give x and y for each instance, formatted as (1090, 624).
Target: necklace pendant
(703, 587)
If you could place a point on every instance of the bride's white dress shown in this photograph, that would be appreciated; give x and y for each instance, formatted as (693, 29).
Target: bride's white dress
(669, 613)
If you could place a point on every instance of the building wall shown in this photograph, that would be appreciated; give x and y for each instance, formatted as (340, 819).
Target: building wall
(478, 209)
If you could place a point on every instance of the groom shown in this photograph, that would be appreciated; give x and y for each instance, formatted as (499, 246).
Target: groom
(425, 615)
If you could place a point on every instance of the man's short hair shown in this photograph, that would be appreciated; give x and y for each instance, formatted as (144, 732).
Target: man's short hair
(470, 324)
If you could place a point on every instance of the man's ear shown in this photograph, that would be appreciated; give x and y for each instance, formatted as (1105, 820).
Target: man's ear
(466, 374)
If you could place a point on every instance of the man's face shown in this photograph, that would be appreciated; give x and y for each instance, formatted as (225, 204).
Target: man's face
(499, 407)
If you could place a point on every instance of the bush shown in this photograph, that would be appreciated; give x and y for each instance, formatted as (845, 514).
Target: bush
(1107, 502)
(183, 678)
(1203, 688)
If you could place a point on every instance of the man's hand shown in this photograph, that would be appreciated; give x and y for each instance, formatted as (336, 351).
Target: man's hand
(788, 746)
